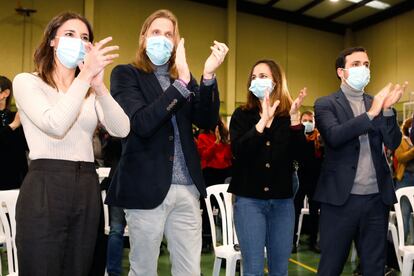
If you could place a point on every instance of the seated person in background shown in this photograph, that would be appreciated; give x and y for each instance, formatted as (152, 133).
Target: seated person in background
(214, 148)
(215, 153)
(13, 161)
(404, 175)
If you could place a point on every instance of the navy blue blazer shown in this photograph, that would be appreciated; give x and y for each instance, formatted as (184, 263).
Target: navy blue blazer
(340, 131)
(144, 173)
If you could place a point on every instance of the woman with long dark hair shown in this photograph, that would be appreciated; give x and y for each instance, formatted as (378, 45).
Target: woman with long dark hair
(59, 204)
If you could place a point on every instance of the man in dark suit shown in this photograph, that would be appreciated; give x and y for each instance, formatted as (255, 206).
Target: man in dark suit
(355, 186)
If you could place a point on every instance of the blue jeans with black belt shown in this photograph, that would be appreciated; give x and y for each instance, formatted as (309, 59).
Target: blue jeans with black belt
(264, 223)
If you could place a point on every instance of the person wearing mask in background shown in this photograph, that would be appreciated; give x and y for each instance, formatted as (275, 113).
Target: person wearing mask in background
(59, 205)
(355, 186)
(158, 181)
(215, 154)
(13, 164)
(404, 174)
(266, 137)
(308, 172)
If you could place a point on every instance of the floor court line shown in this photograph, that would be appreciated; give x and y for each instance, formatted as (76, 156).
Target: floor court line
(303, 265)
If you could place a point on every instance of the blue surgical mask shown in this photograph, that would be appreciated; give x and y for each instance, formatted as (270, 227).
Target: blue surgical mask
(70, 51)
(259, 86)
(358, 77)
(309, 126)
(159, 49)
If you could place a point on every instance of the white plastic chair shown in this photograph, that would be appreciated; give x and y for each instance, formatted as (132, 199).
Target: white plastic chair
(226, 249)
(303, 211)
(405, 252)
(8, 201)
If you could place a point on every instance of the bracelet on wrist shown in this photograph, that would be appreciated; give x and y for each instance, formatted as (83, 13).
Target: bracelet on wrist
(184, 83)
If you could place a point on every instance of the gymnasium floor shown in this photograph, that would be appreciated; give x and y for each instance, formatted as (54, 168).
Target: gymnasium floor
(303, 263)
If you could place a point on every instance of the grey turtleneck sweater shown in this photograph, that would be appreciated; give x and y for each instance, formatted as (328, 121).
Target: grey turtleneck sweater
(365, 179)
(181, 175)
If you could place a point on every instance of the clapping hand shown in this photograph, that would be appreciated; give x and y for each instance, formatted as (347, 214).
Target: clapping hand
(297, 103)
(96, 59)
(181, 62)
(387, 96)
(218, 53)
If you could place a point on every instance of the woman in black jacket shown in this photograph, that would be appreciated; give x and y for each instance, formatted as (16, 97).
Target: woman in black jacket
(13, 164)
(265, 135)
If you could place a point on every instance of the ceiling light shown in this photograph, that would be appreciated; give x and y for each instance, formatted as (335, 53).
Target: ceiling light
(378, 5)
(334, 0)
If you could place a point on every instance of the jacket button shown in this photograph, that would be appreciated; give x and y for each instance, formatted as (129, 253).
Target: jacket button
(268, 143)
(266, 189)
(171, 158)
(170, 138)
(353, 167)
(267, 165)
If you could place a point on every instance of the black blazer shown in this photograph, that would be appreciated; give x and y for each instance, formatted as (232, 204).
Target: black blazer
(144, 173)
(263, 162)
(340, 131)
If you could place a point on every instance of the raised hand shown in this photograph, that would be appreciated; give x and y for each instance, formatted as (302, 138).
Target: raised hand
(181, 62)
(379, 99)
(218, 53)
(297, 103)
(16, 122)
(394, 95)
(97, 58)
(267, 114)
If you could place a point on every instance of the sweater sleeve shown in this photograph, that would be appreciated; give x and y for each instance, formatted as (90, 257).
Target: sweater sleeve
(54, 119)
(112, 116)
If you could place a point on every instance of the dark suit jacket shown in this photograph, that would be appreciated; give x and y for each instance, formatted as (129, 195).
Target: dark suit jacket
(340, 130)
(144, 173)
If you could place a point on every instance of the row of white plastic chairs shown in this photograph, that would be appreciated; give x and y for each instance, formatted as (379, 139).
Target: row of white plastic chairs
(225, 249)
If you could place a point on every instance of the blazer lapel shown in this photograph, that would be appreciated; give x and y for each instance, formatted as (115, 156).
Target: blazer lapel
(367, 101)
(343, 102)
(152, 81)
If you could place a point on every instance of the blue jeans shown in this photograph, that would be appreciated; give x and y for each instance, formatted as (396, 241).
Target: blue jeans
(115, 241)
(406, 181)
(264, 223)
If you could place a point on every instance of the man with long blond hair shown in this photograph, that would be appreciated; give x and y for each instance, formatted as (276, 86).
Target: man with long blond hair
(159, 180)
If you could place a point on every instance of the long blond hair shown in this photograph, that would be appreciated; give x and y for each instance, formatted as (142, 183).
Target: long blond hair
(142, 61)
(280, 91)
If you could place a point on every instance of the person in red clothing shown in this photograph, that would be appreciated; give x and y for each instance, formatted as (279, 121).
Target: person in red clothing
(215, 154)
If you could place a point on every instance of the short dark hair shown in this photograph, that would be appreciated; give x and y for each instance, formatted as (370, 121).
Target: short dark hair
(340, 60)
(5, 84)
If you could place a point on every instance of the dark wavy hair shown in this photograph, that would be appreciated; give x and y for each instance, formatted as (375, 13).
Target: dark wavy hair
(5, 84)
(44, 55)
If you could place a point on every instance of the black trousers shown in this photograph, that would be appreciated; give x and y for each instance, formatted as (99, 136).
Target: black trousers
(57, 218)
(363, 218)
